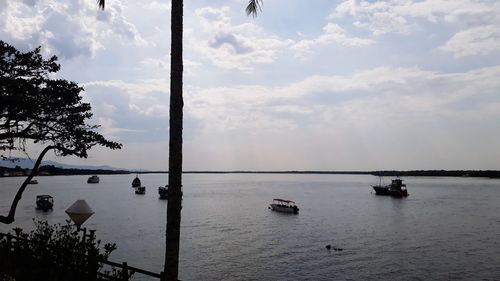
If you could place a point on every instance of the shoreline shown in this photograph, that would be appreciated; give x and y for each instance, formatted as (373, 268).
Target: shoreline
(54, 171)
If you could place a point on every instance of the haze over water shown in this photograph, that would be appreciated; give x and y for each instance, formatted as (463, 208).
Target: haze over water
(447, 228)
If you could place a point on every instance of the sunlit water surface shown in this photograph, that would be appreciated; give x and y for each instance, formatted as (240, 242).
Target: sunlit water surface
(447, 229)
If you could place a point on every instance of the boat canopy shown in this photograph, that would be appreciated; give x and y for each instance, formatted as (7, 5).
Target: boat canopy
(283, 200)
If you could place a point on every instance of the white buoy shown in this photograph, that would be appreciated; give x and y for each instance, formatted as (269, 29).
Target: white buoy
(79, 212)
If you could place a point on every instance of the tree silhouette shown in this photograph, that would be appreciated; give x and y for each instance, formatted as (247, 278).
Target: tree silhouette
(174, 207)
(37, 108)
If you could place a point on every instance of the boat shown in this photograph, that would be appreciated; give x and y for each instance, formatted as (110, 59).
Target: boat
(140, 190)
(397, 188)
(44, 202)
(163, 191)
(284, 206)
(33, 182)
(136, 182)
(93, 179)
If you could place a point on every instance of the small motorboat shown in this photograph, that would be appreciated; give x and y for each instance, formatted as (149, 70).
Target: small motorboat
(44, 202)
(33, 181)
(163, 191)
(284, 206)
(396, 189)
(93, 179)
(136, 182)
(140, 190)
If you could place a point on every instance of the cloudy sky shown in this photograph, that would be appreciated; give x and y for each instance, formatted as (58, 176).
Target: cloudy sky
(307, 85)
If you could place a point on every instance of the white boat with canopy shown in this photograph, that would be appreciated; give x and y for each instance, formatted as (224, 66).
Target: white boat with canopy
(284, 206)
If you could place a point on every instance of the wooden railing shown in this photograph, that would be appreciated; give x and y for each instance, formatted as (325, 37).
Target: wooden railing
(127, 269)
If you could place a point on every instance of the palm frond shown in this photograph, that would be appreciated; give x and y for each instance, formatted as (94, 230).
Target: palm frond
(101, 3)
(253, 7)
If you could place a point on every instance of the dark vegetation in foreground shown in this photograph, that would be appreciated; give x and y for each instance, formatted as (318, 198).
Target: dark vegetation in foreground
(52, 170)
(55, 252)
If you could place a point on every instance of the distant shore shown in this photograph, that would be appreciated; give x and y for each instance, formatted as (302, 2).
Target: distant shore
(388, 173)
(55, 171)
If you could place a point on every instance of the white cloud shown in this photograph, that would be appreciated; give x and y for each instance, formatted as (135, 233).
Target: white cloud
(144, 97)
(109, 129)
(397, 96)
(379, 17)
(158, 6)
(478, 22)
(233, 46)
(394, 16)
(66, 28)
(162, 62)
(113, 17)
(21, 28)
(332, 33)
(392, 94)
(348, 117)
(480, 40)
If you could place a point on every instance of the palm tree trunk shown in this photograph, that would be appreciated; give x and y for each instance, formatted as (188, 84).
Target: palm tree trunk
(171, 269)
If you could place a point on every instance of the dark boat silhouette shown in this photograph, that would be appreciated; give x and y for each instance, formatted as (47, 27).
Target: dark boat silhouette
(140, 190)
(396, 189)
(44, 202)
(163, 192)
(93, 179)
(136, 182)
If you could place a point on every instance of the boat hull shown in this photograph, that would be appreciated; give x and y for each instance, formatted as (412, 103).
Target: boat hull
(284, 209)
(163, 192)
(44, 203)
(93, 179)
(44, 206)
(140, 190)
(384, 190)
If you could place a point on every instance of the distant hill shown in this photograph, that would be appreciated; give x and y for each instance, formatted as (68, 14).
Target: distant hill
(26, 163)
(52, 170)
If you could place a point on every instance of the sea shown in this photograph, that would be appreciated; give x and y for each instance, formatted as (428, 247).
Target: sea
(447, 229)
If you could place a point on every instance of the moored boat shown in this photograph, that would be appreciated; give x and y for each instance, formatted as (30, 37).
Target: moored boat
(396, 189)
(33, 181)
(44, 202)
(93, 179)
(136, 182)
(140, 190)
(163, 192)
(284, 206)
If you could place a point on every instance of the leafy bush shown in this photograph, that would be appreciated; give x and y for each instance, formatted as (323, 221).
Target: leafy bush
(54, 252)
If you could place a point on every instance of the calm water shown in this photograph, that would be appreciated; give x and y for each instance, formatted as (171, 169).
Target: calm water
(448, 228)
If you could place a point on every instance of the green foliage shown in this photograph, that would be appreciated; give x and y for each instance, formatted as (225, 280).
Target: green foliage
(54, 252)
(34, 106)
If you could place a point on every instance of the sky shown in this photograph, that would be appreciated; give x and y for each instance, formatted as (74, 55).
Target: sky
(305, 85)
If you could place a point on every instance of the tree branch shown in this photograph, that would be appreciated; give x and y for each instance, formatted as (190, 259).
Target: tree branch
(10, 218)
